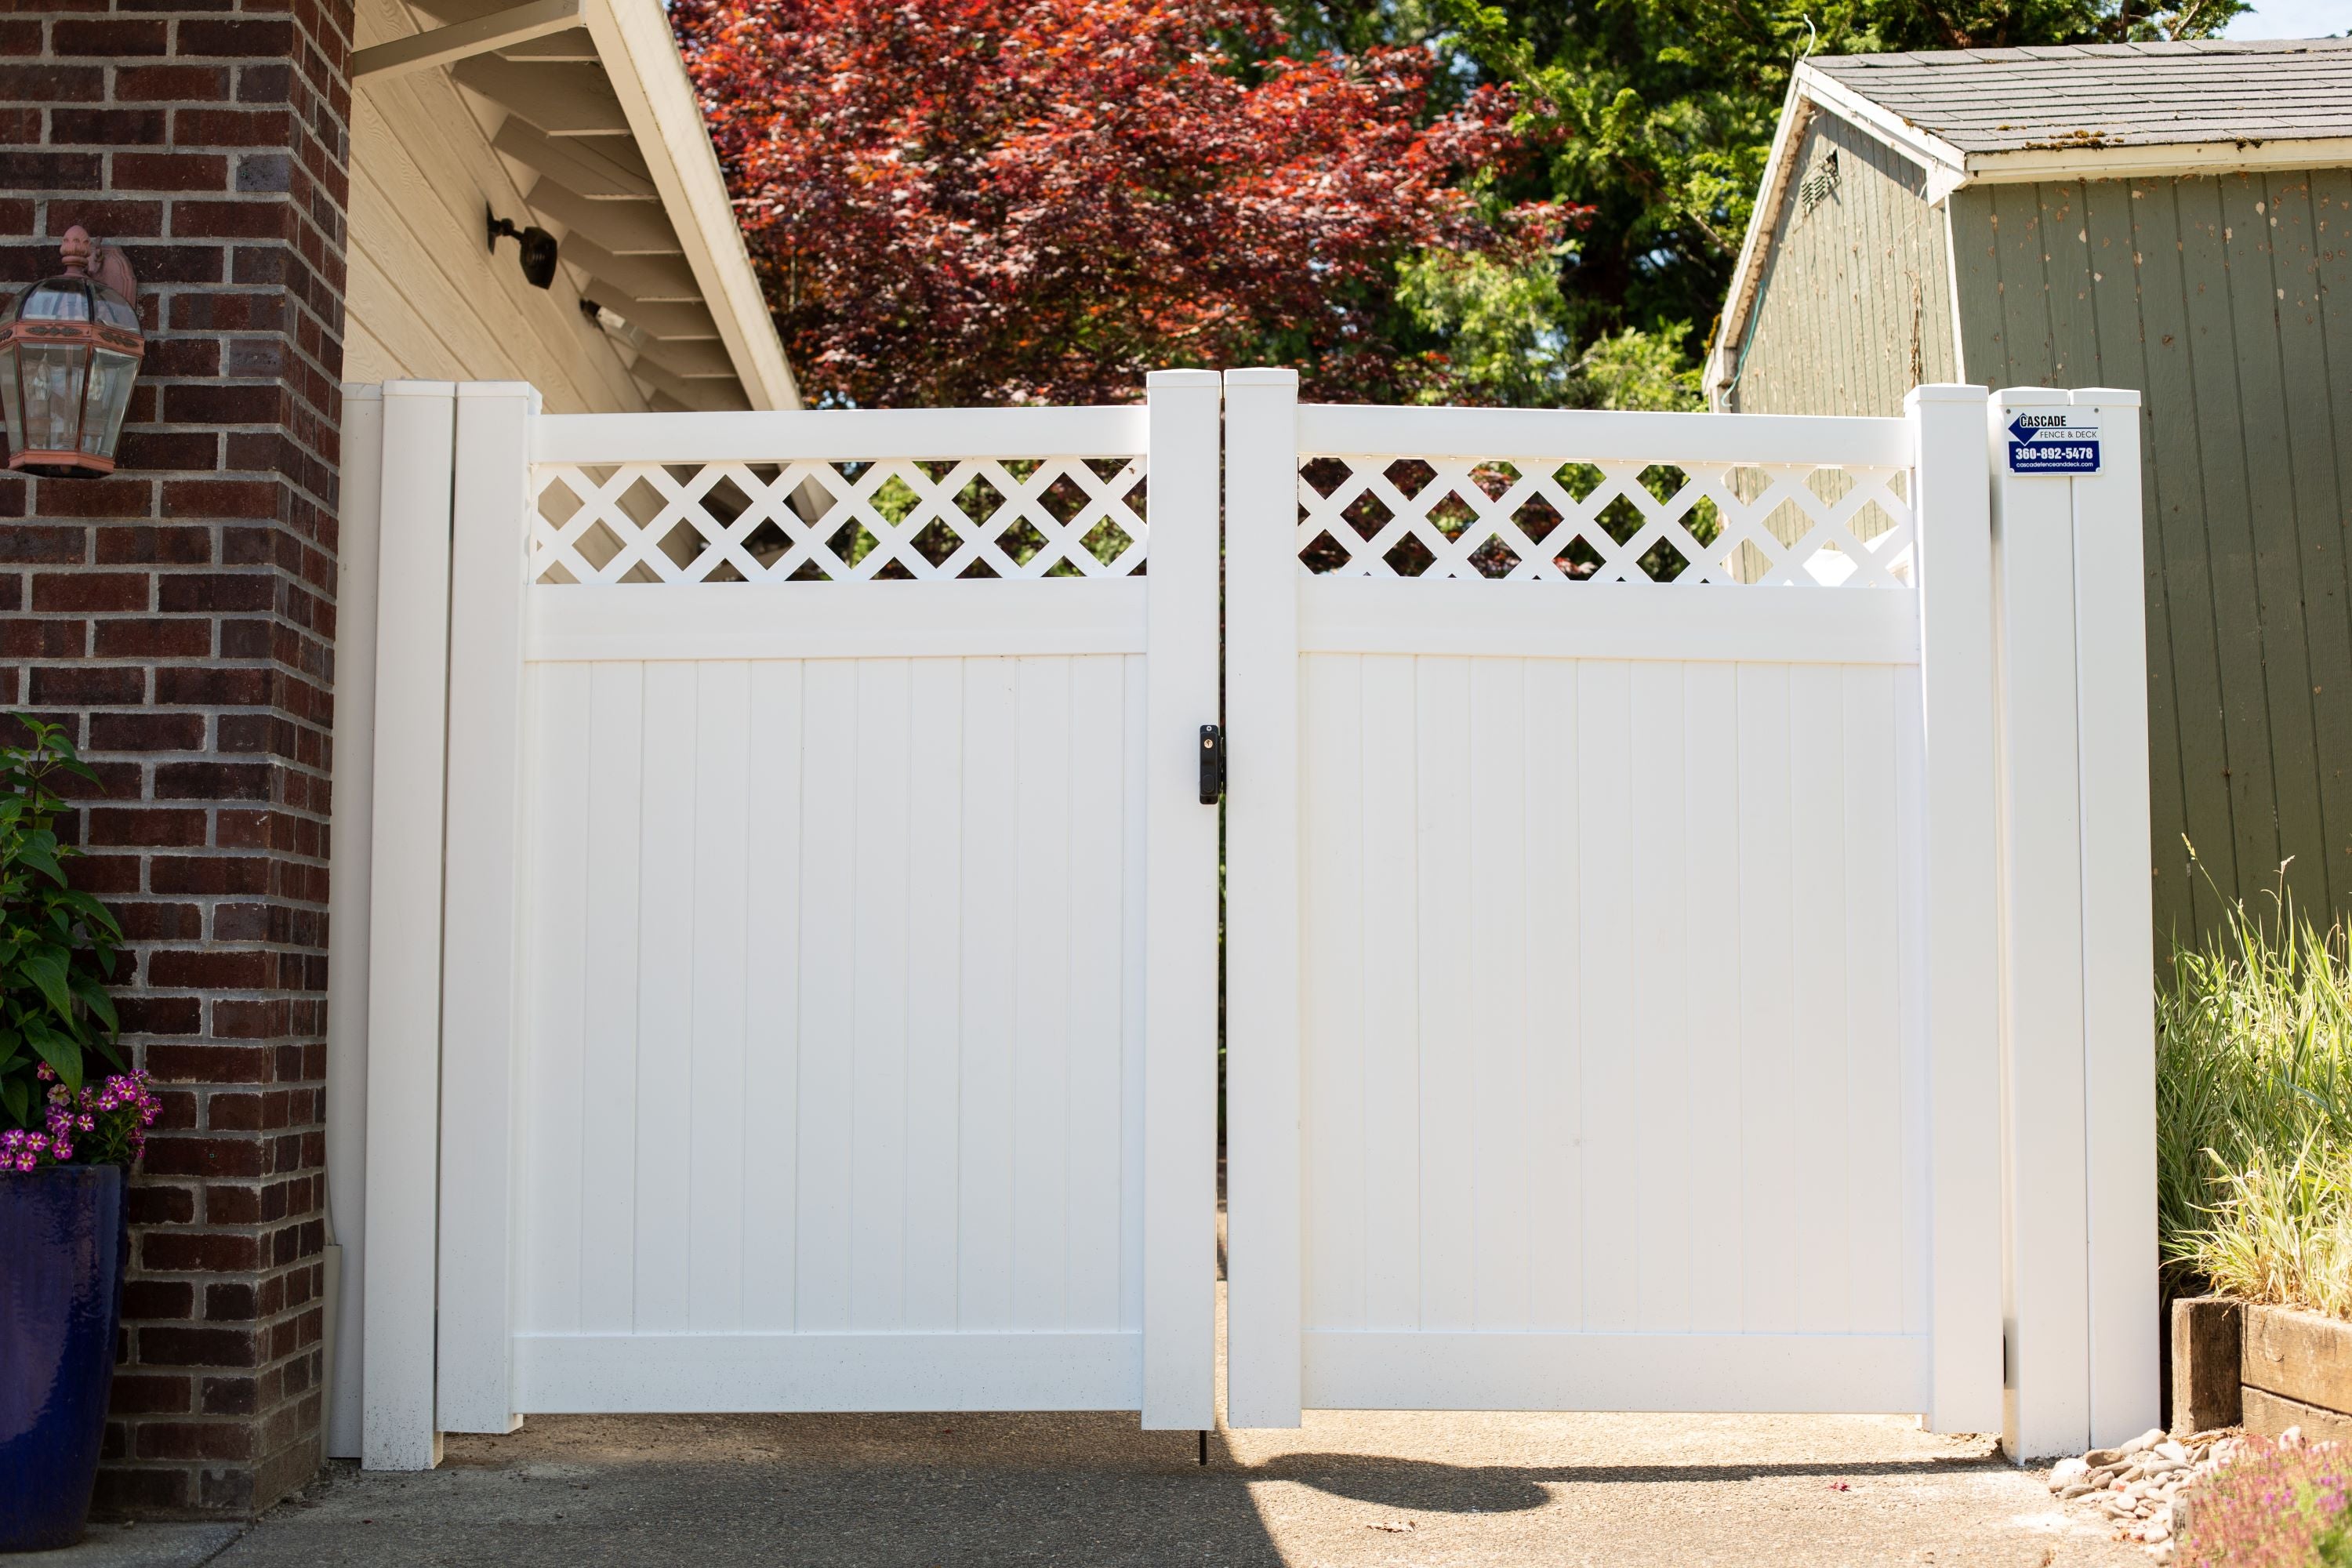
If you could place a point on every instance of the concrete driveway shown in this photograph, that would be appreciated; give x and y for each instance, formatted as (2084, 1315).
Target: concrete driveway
(1345, 1491)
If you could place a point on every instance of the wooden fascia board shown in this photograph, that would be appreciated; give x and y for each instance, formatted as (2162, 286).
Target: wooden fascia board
(1809, 92)
(1946, 166)
(634, 40)
(462, 40)
(2188, 158)
(1731, 327)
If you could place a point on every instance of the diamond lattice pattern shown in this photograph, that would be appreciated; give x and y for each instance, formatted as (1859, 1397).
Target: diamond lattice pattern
(1612, 521)
(838, 521)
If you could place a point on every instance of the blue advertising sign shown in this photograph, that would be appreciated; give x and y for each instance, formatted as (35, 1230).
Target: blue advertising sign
(2062, 441)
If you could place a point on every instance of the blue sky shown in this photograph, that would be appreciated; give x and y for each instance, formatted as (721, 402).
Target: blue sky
(2293, 19)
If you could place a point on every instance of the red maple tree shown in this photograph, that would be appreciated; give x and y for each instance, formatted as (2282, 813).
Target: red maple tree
(978, 201)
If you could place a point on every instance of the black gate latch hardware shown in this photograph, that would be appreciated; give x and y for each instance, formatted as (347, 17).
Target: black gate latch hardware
(1212, 765)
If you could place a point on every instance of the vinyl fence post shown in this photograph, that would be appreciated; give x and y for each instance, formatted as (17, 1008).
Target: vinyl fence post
(2044, 1280)
(1953, 504)
(480, 1019)
(2118, 916)
(358, 532)
(1261, 1066)
(1179, 1066)
(398, 1428)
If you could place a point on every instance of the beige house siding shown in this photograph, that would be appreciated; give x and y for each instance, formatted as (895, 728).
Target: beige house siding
(2226, 301)
(427, 297)
(1853, 306)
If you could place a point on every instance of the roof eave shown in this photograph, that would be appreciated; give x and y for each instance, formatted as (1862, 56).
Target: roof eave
(641, 60)
(2092, 161)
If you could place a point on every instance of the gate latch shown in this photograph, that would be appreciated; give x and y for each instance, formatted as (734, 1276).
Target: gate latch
(1212, 765)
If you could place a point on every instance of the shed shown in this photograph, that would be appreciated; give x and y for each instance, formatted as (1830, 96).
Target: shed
(2174, 218)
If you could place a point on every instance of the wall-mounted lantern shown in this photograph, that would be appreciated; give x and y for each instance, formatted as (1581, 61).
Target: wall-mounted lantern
(536, 246)
(70, 347)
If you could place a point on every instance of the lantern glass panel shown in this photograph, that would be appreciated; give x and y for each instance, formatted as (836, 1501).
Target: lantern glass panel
(109, 394)
(59, 300)
(55, 378)
(9, 409)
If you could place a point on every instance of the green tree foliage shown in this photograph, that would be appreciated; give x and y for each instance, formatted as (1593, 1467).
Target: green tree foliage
(1658, 115)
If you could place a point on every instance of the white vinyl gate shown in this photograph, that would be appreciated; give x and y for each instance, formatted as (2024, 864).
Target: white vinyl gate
(1666, 927)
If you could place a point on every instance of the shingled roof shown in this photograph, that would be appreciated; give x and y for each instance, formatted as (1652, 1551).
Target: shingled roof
(2111, 95)
(2085, 112)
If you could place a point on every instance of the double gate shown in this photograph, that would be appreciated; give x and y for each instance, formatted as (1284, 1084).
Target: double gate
(793, 929)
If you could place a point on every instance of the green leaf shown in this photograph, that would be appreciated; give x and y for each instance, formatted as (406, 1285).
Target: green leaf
(47, 970)
(94, 997)
(17, 1094)
(63, 1055)
(90, 910)
(41, 858)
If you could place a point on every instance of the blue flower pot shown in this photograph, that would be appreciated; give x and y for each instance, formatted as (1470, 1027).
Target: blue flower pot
(63, 1237)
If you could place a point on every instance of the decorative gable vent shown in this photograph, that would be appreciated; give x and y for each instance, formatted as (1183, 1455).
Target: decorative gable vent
(1820, 184)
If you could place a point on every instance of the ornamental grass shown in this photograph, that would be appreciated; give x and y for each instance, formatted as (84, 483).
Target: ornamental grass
(2255, 1112)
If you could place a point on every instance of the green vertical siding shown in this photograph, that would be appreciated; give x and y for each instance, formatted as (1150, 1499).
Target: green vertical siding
(2227, 302)
(1855, 294)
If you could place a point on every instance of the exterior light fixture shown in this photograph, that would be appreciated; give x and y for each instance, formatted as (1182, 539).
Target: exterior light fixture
(70, 347)
(537, 250)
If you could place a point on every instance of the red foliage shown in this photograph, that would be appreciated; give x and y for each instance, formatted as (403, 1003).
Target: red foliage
(974, 201)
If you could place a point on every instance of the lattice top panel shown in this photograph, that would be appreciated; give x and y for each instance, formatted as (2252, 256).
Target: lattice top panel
(841, 521)
(1612, 521)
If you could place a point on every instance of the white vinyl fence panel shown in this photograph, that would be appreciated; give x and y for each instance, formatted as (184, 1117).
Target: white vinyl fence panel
(1609, 819)
(797, 1051)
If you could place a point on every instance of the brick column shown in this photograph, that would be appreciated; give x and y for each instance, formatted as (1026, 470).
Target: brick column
(180, 618)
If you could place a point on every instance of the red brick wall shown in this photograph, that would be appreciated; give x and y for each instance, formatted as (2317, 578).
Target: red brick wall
(179, 617)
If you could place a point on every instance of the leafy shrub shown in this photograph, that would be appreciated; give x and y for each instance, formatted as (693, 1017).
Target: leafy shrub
(57, 944)
(2273, 1505)
(2255, 1112)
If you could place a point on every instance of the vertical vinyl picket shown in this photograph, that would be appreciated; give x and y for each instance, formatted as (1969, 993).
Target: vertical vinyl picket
(1817, 918)
(1768, 1021)
(560, 745)
(1555, 1039)
(828, 1017)
(876, 1043)
(1605, 869)
(934, 1071)
(1445, 1049)
(1040, 1043)
(993, 805)
(1655, 910)
(1879, 1229)
(614, 785)
(1091, 1142)
(715, 1156)
(1262, 935)
(1391, 984)
(772, 980)
(1334, 1016)
(1495, 1049)
(1709, 947)
(667, 1007)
